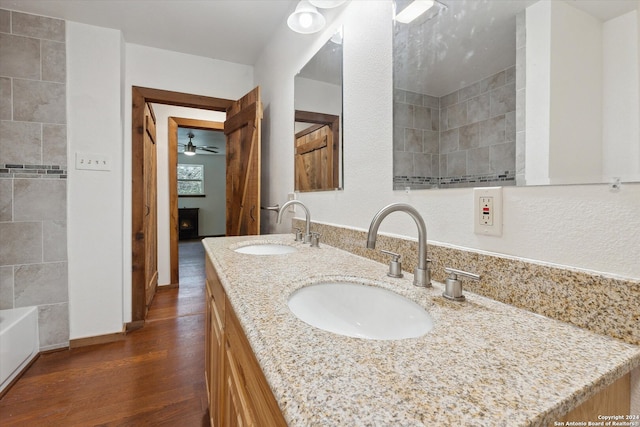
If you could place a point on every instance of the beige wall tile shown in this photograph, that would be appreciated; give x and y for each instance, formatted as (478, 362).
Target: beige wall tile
(20, 143)
(21, 243)
(6, 287)
(38, 26)
(54, 67)
(5, 21)
(35, 101)
(6, 200)
(5, 98)
(54, 145)
(39, 200)
(19, 56)
(37, 284)
(54, 241)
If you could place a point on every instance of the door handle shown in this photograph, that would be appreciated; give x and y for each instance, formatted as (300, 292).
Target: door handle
(251, 213)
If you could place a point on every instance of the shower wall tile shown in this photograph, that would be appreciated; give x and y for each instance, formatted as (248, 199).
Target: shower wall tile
(53, 324)
(6, 287)
(21, 243)
(5, 98)
(492, 131)
(37, 101)
(457, 163)
(40, 200)
(478, 108)
(20, 143)
(403, 115)
(478, 161)
(469, 136)
(449, 141)
(54, 67)
(5, 21)
(503, 157)
(33, 139)
(422, 118)
(423, 165)
(510, 126)
(6, 200)
(54, 241)
(503, 99)
(38, 284)
(403, 163)
(431, 142)
(54, 145)
(413, 140)
(38, 26)
(456, 115)
(19, 56)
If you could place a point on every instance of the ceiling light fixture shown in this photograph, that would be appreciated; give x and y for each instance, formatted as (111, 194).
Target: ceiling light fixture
(306, 19)
(326, 4)
(415, 9)
(190, 149)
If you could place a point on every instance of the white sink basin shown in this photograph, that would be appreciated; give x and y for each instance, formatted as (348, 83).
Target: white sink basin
(360, 311)
(266, 249)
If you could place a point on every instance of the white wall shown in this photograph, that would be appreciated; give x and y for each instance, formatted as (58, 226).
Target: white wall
(621, 132)
(101, 70)
(162, 69)
(95, 199)
(208, 225)
(576, 95)
(586, 227)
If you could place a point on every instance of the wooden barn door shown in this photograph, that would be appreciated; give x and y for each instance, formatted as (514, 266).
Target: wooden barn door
(242, 129)
(314, 159)
(151, 206)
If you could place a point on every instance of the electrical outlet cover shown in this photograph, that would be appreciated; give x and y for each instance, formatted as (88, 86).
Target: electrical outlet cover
(487, 211)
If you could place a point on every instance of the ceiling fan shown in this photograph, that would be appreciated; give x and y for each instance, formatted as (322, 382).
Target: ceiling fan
(190, 148)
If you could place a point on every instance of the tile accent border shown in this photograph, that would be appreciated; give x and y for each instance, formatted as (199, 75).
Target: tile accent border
(32, 171)
(602, 304)
(426, 182)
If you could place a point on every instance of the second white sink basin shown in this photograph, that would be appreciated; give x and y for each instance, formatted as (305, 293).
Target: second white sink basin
(360, 311)
(266, 249)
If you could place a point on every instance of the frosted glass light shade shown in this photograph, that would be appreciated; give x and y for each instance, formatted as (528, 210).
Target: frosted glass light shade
(306, 19)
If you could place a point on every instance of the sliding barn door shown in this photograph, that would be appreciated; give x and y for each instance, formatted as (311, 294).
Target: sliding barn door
(150, 206)
(242, 129)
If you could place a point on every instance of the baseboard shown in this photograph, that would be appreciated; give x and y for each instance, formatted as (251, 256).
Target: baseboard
(133, 326)
(100, 339)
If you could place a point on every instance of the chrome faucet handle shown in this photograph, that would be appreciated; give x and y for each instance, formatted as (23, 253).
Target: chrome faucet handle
(453, 286)
(395, 265)
(298, 234)
(315, 240)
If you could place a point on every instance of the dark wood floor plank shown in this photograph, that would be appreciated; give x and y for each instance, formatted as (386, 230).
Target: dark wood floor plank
(154, 377)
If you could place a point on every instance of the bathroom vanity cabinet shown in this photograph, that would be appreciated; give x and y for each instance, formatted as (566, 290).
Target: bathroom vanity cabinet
(266, 367)
(238, 392)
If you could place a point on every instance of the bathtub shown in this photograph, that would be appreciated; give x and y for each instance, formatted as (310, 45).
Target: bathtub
(19, 342)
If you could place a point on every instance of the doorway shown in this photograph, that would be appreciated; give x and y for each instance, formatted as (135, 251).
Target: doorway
(242, 131)
(174, 226)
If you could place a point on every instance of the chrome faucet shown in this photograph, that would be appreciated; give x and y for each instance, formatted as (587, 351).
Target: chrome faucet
(421, 275)
(307, 234)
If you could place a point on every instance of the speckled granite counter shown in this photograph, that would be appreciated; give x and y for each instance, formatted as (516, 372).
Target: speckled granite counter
(484, 363)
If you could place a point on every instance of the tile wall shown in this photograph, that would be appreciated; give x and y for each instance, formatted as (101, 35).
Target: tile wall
(33, 163)
(466, 138)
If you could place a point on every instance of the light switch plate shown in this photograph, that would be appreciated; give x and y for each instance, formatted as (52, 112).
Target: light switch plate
(487, 211)
(92, 161)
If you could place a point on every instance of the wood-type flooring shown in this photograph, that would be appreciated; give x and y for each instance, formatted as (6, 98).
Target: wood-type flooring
(153, 377)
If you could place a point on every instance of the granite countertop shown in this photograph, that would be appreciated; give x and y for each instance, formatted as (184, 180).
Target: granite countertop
(484, 363)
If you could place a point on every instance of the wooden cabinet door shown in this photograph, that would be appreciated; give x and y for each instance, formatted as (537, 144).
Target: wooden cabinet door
(237, 408)
(242, 129)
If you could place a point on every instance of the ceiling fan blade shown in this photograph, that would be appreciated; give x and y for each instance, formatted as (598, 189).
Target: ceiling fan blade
(210, 150)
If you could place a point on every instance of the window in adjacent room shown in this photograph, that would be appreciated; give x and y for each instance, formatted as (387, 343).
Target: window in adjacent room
(190, 180)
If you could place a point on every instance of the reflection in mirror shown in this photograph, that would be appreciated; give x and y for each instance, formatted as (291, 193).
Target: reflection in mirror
(461, 72)
(318, 114)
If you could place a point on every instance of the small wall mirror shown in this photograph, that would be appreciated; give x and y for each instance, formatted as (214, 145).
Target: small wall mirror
(318, 119)
(519, 92)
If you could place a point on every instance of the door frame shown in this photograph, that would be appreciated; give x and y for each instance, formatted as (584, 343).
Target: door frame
(174, 123)
(139, 97)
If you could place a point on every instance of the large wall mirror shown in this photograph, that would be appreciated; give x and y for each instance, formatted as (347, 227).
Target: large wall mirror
(518, 92)
(318, 120)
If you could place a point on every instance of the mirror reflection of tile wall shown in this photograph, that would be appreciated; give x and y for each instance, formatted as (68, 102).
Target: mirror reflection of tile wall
(463, 139)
